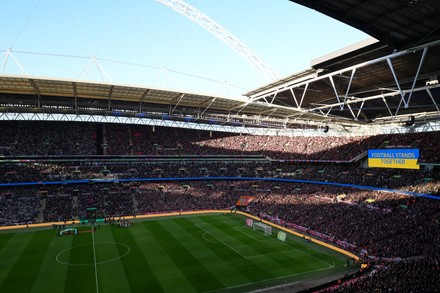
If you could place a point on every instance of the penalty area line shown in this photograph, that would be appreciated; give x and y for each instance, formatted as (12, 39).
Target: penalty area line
(201, 228)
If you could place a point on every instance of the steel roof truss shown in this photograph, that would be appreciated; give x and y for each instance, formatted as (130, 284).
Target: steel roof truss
(433, 100)
(142, 99)
(360, 109)
(328, 112)
(296, 84)
(304, 94)
(298, 105)
(353, 71)
(273, 98)
(75, 95)
(110, 93)
(177, 104)
(351, 111)
(425, 51)
(294, 97)
(402, 95)
(336, 91)
(375, 97)
(212, 101)
(386, 104)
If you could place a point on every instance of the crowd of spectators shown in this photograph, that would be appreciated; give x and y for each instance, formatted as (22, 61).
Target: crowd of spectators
(66, 138)
(59, 207)
(47, 139)
(419, 181)
(386, 224)
(19, 206)
(119, 201)
(418, 275)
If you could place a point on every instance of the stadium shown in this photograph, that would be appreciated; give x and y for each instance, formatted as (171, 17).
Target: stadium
(326, 180)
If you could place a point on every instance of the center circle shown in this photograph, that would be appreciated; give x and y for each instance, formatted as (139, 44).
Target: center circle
(63, 257)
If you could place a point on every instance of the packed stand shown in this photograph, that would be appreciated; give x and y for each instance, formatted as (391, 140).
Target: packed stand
(19, 206)
(47, 139)
(419, 275)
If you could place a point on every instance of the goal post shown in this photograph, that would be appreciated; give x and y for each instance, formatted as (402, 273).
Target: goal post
(258, 226)
(68, 231)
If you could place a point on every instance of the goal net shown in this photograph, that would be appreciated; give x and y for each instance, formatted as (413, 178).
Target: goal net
(262, 227)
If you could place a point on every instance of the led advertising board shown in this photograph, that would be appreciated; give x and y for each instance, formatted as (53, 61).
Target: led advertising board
(394, 158)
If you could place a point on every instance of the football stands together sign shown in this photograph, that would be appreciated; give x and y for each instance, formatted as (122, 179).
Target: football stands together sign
(394, 158)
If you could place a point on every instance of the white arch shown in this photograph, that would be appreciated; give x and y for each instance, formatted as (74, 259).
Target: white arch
(222, 34)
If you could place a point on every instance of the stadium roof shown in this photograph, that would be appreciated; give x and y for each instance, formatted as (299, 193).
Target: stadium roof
(401, 24)
(67, 92)
(381, 80)
(393, 77)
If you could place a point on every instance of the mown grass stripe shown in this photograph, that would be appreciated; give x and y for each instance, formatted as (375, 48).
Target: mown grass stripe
(112, 274)
(207, 253)
(242, 241)
(247, 270)
(233, 239)
(52, 275)
(173, 254)
(314, 250)
(268, 250)
(167, 273)
(80, 274)
(4, 238)
(11, 251)
(22, 275)
(140, 275)
(187, 261)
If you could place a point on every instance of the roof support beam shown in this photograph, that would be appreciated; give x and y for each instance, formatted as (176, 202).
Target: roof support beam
(359, 111)
(402, 95)
(425, 51)
(386, 104)
(177, 104)
(75, 95)
(433, 100)
(292, 84)
(142, 99)
(37, 91)
(349, 86)
(110, 93)
(375, 97)
(304, 94)
(212, 101)
(351, 111)
(336, 91)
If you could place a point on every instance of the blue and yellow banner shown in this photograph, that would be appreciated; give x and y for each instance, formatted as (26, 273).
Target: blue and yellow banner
(394, 158)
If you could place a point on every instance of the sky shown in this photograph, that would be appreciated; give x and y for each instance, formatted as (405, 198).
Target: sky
(145, 43)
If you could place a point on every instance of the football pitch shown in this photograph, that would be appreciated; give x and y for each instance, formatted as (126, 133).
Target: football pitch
(204, 253)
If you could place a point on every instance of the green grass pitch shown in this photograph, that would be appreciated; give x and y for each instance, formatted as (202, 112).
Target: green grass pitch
(206, 253)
